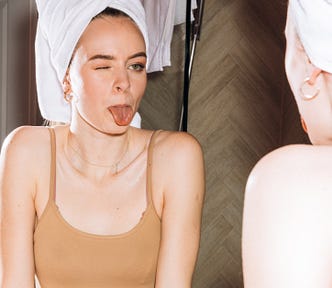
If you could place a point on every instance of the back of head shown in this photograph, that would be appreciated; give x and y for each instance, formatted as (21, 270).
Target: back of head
(313, 22)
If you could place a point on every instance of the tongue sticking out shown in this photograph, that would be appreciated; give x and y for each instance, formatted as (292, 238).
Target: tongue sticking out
(122, 114)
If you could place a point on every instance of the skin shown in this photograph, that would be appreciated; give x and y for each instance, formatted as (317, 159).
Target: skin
(287, 227)
(178, 170)
(298, 67)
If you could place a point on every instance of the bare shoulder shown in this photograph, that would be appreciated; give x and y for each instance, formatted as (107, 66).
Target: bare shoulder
(287, 229)
(293, 170)
(179, 160)
(25, 143)
(178, 144)
(27, 138)
(294, 159)
(178, 154)
(23, 161)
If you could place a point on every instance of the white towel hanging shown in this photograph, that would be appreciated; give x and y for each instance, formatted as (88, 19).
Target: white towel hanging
(161, 16)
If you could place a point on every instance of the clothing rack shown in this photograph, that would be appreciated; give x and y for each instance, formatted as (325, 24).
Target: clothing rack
(193, 32)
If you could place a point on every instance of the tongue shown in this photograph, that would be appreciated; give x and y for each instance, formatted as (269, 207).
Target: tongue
(122, 114)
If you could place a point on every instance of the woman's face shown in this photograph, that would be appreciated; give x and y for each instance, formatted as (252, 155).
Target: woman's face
(107, 75)
(317, 113)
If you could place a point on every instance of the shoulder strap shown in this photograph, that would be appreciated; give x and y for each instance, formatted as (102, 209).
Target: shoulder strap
(52, 164)
(149, 164)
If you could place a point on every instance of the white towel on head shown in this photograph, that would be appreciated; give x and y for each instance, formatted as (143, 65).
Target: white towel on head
(60, 25)
(313, 22)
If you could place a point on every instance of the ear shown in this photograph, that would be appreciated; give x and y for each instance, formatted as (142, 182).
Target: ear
(313, 77)
(66, 85)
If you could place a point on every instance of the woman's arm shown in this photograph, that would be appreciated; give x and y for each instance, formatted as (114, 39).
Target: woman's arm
(17, 210)
(181, 214)
(287, 221)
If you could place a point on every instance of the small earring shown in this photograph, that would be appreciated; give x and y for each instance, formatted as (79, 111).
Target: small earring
(68, 97)
(308, 91)
(304, 126)
(66, 86)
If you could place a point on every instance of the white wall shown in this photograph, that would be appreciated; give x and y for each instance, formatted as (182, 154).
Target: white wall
(18, 100)
(3, 65)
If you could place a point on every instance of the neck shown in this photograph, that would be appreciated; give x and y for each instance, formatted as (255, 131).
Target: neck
(91, 150)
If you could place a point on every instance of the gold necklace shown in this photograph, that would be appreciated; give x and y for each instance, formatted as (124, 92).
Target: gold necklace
(114, 165)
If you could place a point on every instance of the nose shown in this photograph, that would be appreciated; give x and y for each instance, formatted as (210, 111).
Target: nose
(121, 80)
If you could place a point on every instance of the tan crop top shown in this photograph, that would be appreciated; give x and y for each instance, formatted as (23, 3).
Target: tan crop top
(66, 257)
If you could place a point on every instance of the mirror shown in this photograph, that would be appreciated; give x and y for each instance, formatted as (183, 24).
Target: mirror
(240, 108)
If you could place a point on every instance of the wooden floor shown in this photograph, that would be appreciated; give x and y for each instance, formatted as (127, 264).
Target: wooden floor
(240, 109)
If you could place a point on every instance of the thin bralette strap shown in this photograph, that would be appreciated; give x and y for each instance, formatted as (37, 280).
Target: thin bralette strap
(149, 164)
(52, 164)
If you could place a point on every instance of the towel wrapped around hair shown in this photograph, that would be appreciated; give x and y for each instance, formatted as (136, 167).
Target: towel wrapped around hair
(60, 25)
(313, 22)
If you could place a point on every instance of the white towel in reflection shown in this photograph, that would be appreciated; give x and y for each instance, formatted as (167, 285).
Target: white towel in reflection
(161, 16)
(180, 11)
(313, 21)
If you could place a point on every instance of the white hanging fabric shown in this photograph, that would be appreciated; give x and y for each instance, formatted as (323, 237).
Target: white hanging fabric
(180, 11)
(161, 16)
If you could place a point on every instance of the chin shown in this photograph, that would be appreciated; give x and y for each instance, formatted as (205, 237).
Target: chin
(117, 129)
(109, 128)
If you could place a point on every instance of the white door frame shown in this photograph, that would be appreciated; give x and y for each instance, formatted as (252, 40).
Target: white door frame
(3, 71)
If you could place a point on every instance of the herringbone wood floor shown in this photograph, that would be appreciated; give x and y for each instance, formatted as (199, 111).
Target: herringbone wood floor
(240, 109)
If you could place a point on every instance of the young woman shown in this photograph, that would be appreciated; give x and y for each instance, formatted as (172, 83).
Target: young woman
(96, 202)
(287, 227)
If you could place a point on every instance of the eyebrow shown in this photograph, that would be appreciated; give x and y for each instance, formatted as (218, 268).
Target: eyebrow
(139, 54)
(110, 57)
(101, 56)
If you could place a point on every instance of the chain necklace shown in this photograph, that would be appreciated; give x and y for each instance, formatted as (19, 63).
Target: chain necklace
(115, 165)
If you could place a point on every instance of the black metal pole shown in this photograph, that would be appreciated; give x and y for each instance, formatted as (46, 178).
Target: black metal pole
(198, 23)
(186, 80)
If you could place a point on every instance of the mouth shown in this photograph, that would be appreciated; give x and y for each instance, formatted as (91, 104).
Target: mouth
(122, 114)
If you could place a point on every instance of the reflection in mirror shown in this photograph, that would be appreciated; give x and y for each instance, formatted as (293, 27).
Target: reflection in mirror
(40, 147)
(240, 108)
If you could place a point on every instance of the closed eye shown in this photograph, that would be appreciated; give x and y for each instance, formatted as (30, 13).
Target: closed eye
(103, 68)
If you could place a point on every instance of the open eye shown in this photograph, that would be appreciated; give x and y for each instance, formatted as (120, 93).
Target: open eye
(137, 67)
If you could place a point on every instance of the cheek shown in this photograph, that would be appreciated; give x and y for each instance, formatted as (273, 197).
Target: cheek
(293, 70)
(296, 72)
(77, 82)
(91, 86)
(328, 81)
(317, 113)
(139, 86)
(324, 82)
